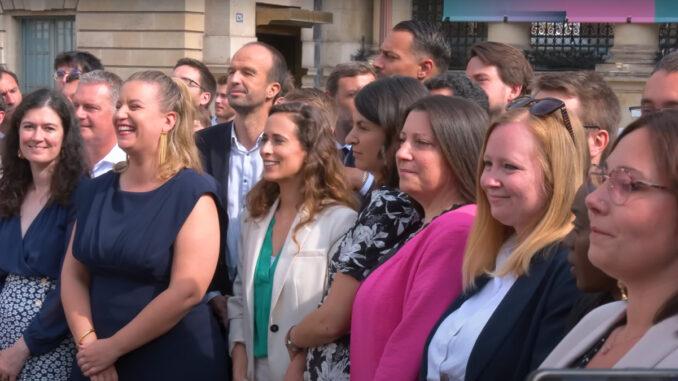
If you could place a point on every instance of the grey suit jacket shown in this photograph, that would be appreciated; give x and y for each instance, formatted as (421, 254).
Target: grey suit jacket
(658, 348)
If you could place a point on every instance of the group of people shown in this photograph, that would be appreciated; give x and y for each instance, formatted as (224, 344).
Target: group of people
(406, 223)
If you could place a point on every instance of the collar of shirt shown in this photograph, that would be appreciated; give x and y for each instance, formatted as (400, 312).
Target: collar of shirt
(235, 143)
(113, 157)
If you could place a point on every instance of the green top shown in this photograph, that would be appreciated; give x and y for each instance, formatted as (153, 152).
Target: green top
(263, 287)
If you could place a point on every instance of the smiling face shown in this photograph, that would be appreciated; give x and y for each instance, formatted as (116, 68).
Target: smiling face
(512, 178)
(41, 134)
(367, 140)
(139, 120)
(281, 150)
(424, 172)
(636, 240)
(94, 110)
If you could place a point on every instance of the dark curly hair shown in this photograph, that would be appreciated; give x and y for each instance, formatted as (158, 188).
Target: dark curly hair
(15, 175)
(324, 183)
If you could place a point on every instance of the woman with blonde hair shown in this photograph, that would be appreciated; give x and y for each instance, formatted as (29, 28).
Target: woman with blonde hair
(145, 247)
(295, 217)
(518, 289)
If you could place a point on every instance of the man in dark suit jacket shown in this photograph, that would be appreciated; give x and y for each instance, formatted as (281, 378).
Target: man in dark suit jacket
(230, 151)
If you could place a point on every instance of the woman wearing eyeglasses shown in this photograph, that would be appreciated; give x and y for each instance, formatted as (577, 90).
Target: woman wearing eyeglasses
(518, 289)
(634, 231)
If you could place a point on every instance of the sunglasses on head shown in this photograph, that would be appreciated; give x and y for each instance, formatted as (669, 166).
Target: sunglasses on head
(69, 75)
(542, 107)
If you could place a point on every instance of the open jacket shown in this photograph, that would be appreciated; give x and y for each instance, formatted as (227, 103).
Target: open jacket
(658, 348)
(298, 282)
(527, 324)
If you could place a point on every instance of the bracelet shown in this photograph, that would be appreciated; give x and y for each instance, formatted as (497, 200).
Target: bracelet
(91, 330)
(290, 344)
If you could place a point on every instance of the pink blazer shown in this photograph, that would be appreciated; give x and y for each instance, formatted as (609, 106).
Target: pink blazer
(398, 304)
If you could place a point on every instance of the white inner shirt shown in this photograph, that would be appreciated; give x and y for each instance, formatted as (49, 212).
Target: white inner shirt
(244, 170)
(115, 156)
(455, 338)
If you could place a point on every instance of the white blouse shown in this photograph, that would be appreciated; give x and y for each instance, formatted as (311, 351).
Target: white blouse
(454, 339)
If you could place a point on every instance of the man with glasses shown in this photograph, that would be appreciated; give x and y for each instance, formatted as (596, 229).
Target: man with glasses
(69, 66)
(588, 97)
(661, 90)
(202, 86)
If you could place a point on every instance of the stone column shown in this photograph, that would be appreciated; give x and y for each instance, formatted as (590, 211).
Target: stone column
(229, 24)
(632, 59)
(512, 33)
(351, 28)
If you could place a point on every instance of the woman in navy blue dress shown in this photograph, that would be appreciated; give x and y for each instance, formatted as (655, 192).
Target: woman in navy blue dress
(145, 248)
(43, 163)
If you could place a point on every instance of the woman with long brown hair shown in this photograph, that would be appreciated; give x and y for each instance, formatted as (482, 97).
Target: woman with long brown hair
(634, 229)
(43, 164)
(295, 217)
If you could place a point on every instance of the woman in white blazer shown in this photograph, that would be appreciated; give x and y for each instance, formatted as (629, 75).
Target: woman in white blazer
(295, 218)
(634, 230)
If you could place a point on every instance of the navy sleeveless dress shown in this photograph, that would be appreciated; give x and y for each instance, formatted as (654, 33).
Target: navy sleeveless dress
(126, 240)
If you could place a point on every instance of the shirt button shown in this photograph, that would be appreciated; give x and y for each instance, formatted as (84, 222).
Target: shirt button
(274, 328)
(38, 303)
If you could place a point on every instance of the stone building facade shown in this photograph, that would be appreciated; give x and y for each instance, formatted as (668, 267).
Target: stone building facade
(314, 35)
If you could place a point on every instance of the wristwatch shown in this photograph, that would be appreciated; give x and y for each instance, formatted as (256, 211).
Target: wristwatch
(290, 344)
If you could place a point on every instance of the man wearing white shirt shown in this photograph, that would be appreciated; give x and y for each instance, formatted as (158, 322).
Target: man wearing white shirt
(94, 102)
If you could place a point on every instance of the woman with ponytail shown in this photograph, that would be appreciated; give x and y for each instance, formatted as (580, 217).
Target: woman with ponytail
(145, 247)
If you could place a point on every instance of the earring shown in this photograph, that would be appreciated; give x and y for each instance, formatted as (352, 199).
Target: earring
(623, 291)
(19, 154)
(162, 148)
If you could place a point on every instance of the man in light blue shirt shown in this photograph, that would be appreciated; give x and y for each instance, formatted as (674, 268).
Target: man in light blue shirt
(230, 151)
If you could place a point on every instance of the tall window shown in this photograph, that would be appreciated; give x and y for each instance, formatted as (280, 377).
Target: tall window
(41, 40)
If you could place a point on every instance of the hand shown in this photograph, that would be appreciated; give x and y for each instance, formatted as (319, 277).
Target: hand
(295, 371)
(12, 360)
(219, 306)
(97, 356)
(108, 374)
(239, 357)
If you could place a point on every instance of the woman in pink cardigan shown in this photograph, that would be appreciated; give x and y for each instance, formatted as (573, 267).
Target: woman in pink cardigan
(397, 305)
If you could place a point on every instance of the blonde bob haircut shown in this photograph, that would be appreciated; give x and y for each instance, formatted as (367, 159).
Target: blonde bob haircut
(563, 166)
(180, 150)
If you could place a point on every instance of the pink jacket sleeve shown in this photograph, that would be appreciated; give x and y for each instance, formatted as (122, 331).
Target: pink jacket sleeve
(434, 283)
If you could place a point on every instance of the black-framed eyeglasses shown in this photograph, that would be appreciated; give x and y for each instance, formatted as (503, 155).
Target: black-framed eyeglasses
(638, 111)
(191, 83)
(542, 107)
(620, 183)
(67, 75)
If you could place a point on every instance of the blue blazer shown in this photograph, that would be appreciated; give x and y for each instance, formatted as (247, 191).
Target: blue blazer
(528, 323)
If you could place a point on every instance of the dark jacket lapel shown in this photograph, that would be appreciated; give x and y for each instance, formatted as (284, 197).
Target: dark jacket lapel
(505, 316)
